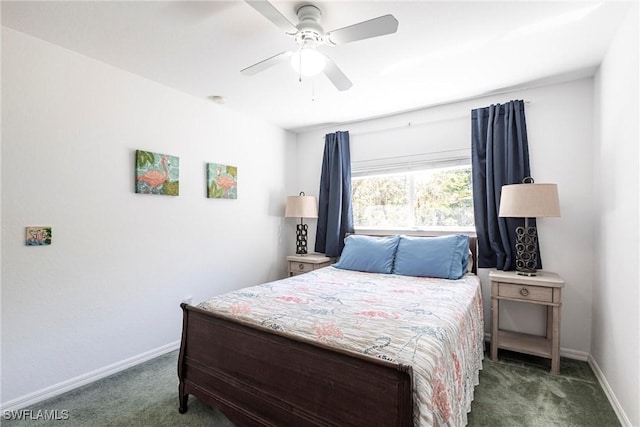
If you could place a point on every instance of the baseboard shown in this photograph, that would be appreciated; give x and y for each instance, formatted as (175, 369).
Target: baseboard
(622, 416)
(569, 353)
(89, 377)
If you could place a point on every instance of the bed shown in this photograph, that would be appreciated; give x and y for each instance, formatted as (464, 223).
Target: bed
(338, 347)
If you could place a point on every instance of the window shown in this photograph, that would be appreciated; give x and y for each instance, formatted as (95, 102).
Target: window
(439, 197)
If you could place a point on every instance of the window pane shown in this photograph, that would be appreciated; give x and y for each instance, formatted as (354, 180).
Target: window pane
(379, 201)
(443, 198)
(440, 197)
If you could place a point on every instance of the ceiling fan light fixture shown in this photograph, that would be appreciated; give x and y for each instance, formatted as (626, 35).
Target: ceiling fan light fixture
(308, 33)
(308, 62)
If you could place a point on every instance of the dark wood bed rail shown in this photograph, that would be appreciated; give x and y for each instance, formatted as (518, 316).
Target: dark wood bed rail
(259, 377)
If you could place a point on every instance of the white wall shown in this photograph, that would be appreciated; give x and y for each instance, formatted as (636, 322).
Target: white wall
(616, 293)
(559, 125)
(109, 287)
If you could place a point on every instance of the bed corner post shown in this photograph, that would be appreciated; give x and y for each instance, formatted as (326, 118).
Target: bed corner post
(473, 246)
(183, 397)
(405, 396)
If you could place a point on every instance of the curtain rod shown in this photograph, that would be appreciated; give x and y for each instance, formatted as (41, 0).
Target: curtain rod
(410, 123)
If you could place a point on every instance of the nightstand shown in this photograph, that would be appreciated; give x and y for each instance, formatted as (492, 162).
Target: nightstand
(545, 289)
(299, 264)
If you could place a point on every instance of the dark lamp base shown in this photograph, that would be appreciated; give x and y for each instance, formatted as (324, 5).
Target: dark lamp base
(301, 239)
(527, 272)
(526, 250)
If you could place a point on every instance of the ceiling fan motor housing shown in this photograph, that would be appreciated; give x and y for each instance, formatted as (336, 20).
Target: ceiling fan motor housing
(310, 32)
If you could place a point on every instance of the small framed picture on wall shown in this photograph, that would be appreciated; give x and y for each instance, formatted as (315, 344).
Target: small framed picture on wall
(222, 181)
(157, 173)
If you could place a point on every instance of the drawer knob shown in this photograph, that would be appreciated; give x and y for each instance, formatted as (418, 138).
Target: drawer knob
(524, 292)
(301, 266)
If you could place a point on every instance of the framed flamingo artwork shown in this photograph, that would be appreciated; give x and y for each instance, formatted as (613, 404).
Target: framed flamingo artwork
(222, 181)
(157, 173)
(38, 236)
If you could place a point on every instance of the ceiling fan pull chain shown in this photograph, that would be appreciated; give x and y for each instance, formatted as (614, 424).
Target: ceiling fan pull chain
(300, 64)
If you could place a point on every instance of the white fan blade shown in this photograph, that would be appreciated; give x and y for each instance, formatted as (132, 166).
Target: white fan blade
(267, 63)
(335, 74)
(272, 14)
(380, 26)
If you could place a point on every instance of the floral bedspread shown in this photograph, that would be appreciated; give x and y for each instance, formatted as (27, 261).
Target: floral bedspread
(434, 325)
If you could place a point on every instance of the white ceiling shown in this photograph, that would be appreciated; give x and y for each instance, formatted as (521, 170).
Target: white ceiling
(443, 50)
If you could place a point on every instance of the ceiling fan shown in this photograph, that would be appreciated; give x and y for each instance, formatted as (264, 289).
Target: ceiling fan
(309, 34)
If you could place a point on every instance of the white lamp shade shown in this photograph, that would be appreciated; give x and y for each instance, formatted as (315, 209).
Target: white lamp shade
(529, 201)
(308, 62)
(301, 207)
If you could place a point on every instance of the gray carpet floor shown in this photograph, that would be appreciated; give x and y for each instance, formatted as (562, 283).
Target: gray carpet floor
(516, 390)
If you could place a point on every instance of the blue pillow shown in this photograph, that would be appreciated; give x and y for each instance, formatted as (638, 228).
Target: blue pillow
(369, 254)
(443, 257)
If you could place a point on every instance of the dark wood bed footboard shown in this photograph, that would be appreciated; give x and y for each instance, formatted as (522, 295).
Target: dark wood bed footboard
(259, 377)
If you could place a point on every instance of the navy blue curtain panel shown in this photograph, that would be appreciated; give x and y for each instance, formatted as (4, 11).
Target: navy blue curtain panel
(500, 156)
(335, 214)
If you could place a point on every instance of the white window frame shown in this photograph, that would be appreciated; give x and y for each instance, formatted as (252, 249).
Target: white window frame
(405, 164)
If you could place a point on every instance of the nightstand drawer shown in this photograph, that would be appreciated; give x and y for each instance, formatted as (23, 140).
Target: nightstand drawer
(525, 292)
(299, 267)
(300, 264)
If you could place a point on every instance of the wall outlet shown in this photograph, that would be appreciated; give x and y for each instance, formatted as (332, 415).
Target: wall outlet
(188, 299)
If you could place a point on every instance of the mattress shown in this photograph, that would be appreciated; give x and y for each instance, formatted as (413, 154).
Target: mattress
(433, 325)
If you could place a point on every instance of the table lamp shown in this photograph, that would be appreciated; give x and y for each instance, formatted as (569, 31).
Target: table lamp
(301, 207)
(528, 200)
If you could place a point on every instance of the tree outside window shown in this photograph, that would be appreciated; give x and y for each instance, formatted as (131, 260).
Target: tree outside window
(430, 198)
